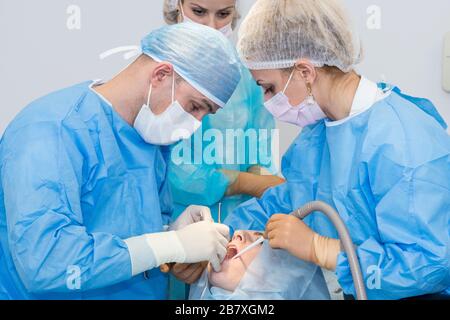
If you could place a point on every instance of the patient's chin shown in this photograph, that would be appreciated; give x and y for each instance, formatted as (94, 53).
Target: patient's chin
(229, 277)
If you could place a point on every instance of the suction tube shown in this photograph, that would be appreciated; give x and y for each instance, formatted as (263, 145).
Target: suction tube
(344, 235)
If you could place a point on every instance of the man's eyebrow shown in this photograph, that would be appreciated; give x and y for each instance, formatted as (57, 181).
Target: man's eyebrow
(260, 82)
(208, 105)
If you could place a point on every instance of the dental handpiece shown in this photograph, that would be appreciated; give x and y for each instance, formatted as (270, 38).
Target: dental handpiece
(250, 247)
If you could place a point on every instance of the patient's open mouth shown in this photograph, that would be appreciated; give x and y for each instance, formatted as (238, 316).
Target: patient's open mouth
(231, 252)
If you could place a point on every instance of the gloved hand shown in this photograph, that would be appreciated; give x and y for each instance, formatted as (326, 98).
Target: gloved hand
(293, 235)
(191, 215)
(258, 170)
(250, 184)
(232, 175)
(205, 241)
(197, 242)
(188, 273)
(262, 184)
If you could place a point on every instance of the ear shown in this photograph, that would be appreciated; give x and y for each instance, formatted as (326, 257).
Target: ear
(161, 72)
(306, 70)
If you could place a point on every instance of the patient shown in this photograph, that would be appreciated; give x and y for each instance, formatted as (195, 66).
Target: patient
(260, 274)
(234, 269)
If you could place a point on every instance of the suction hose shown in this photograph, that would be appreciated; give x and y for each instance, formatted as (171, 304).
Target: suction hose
(346, 241)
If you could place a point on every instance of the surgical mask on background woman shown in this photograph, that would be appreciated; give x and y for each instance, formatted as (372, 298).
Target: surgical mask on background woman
(305, 114)
(227, 30)
(173, 125)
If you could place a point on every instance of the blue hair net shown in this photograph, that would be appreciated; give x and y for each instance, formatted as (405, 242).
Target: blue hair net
(200, 55)
(273, 275)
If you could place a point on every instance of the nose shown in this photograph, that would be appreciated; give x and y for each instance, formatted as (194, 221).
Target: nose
(238, 237)
(201, 115)
(212, 23)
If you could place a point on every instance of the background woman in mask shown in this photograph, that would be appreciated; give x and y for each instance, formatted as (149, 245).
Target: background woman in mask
(230, 183)
(250, 173)
(379, 157)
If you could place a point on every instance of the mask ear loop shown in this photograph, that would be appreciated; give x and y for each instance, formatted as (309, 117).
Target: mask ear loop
(149, 95)
(173, 87)
(289, 80)
(181, 10)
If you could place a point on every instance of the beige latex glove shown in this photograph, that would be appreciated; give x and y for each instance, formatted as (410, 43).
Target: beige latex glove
(188, 273)
(250, 184)
(260, 171)
(293, 235)
(326, 251)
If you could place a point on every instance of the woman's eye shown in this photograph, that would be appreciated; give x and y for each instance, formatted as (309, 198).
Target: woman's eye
(268, 90)
(198, 12)
(224, 15)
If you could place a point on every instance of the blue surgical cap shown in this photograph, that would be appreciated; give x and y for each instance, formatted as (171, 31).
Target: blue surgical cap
(200, 55)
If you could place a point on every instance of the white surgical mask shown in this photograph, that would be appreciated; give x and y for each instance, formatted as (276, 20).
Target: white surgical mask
(305, 114)
(173, 125)
(227, 31)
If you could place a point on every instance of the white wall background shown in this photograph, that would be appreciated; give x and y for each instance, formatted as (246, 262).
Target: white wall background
(39, 53)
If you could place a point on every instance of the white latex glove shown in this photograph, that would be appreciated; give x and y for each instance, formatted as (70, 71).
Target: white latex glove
(205, 241)
(191, 215)
(197, 242)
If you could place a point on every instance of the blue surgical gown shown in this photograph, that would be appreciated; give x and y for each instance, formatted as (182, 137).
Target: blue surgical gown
(76, 180)
(198, 180)
(387, 172)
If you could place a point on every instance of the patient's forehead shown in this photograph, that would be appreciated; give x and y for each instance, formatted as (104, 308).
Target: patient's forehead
(253, 232)
(248, 235)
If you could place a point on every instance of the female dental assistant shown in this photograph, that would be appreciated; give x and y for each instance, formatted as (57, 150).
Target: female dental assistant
(230, 183)
(379, 157)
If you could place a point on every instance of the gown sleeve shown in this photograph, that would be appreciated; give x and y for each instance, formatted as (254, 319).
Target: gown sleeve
(42, 176)
(200, 184)
(255, 213)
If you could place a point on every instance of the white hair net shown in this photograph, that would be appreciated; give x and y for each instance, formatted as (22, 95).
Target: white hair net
(273, 275)
(277, 33)
(200, 55)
